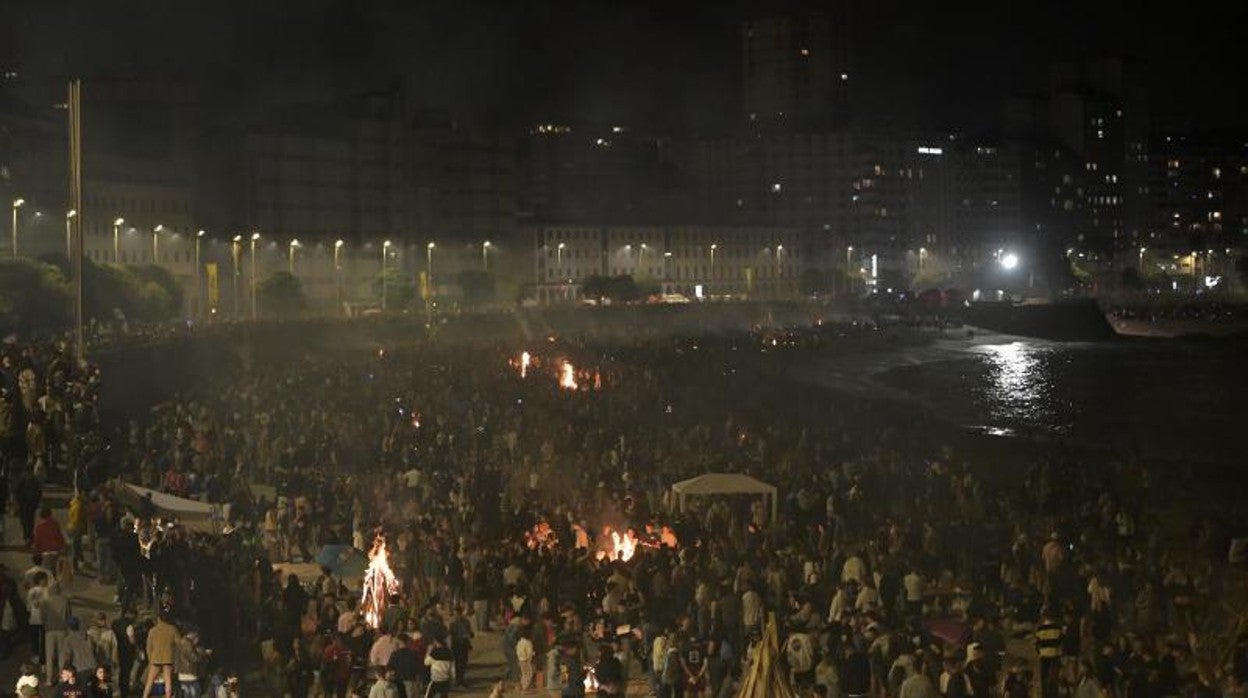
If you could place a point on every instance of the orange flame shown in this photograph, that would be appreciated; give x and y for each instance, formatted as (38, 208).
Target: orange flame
(567, 376)
(379, 584)
(622, 546)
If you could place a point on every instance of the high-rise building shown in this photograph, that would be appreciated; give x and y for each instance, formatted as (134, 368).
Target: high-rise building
(593, 173)
(1098, 112)
(464, 180)
(1198, 186)
(327, 171)
(795, 70)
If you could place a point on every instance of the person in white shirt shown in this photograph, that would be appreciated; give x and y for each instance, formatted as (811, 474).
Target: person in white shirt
(385, 687)
(441, 665)
(36, 597)
(915, 587)
(28, 577)
(524, 656)
(854, 569)
(751, 609)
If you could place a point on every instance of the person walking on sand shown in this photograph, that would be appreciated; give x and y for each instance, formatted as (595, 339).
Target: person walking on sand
(161, 640)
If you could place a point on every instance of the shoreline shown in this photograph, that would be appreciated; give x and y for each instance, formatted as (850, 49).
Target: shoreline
(856, 376)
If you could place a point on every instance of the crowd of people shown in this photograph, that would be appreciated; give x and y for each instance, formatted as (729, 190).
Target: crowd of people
(498, 483)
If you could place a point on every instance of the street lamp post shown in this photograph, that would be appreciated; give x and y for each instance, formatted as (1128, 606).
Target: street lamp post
(290, 257)
(156, 243)
(254, 237)
(385, 251)
(849, 261)
(337, 274)
(69, 233)
(1142, 251)
(17, 203)
(779, 268)
(641, 258)
(713, 248)
(485, 256)
(117, 222)
(429, 265)
(236, 251)
(922, 256)
(199, 282)
(429, 281)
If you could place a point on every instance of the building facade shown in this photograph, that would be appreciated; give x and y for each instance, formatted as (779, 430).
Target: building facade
(694, 261)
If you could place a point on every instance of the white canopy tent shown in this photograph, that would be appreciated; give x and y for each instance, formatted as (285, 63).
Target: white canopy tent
(724, 483)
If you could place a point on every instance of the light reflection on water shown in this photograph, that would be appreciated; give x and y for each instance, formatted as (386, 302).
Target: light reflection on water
(1014, 377)
(1016, 389)
(1176, 399)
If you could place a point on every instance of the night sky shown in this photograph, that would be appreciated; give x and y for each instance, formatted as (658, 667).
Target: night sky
(668, 65)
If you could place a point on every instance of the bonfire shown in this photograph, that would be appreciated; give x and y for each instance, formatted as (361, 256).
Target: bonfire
(379, 584)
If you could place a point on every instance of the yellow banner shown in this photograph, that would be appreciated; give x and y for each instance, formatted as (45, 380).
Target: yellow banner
(214, 289)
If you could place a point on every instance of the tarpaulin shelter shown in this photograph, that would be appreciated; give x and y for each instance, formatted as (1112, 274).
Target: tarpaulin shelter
(768, 676)
(724, 483)
(195, 515)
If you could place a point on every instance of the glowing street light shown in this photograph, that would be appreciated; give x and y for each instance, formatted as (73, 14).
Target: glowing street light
(385, 252)
(69, 232)
(255, 237)
(117, 223)
(1009, 261)
(485, 255)
(290, 257)
(338, 271)
(429, 265)
(1142, 251)
(236, 251)
(714, 246)
(17, 203)
(156, 243)
(199, 282)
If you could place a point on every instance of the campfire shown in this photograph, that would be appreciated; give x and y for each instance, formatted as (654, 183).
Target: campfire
(617, 546)
(612, 545)
(567, 375)
(522, 364)
(379, 584)
(541, 537)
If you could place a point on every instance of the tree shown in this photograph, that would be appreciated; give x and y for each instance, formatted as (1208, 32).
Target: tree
(477, 286)
(155, 294)
(281, 295)
(33, 296)
(400, 290)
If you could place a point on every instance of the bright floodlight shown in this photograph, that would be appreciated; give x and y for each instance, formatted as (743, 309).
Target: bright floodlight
(1009, 261)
